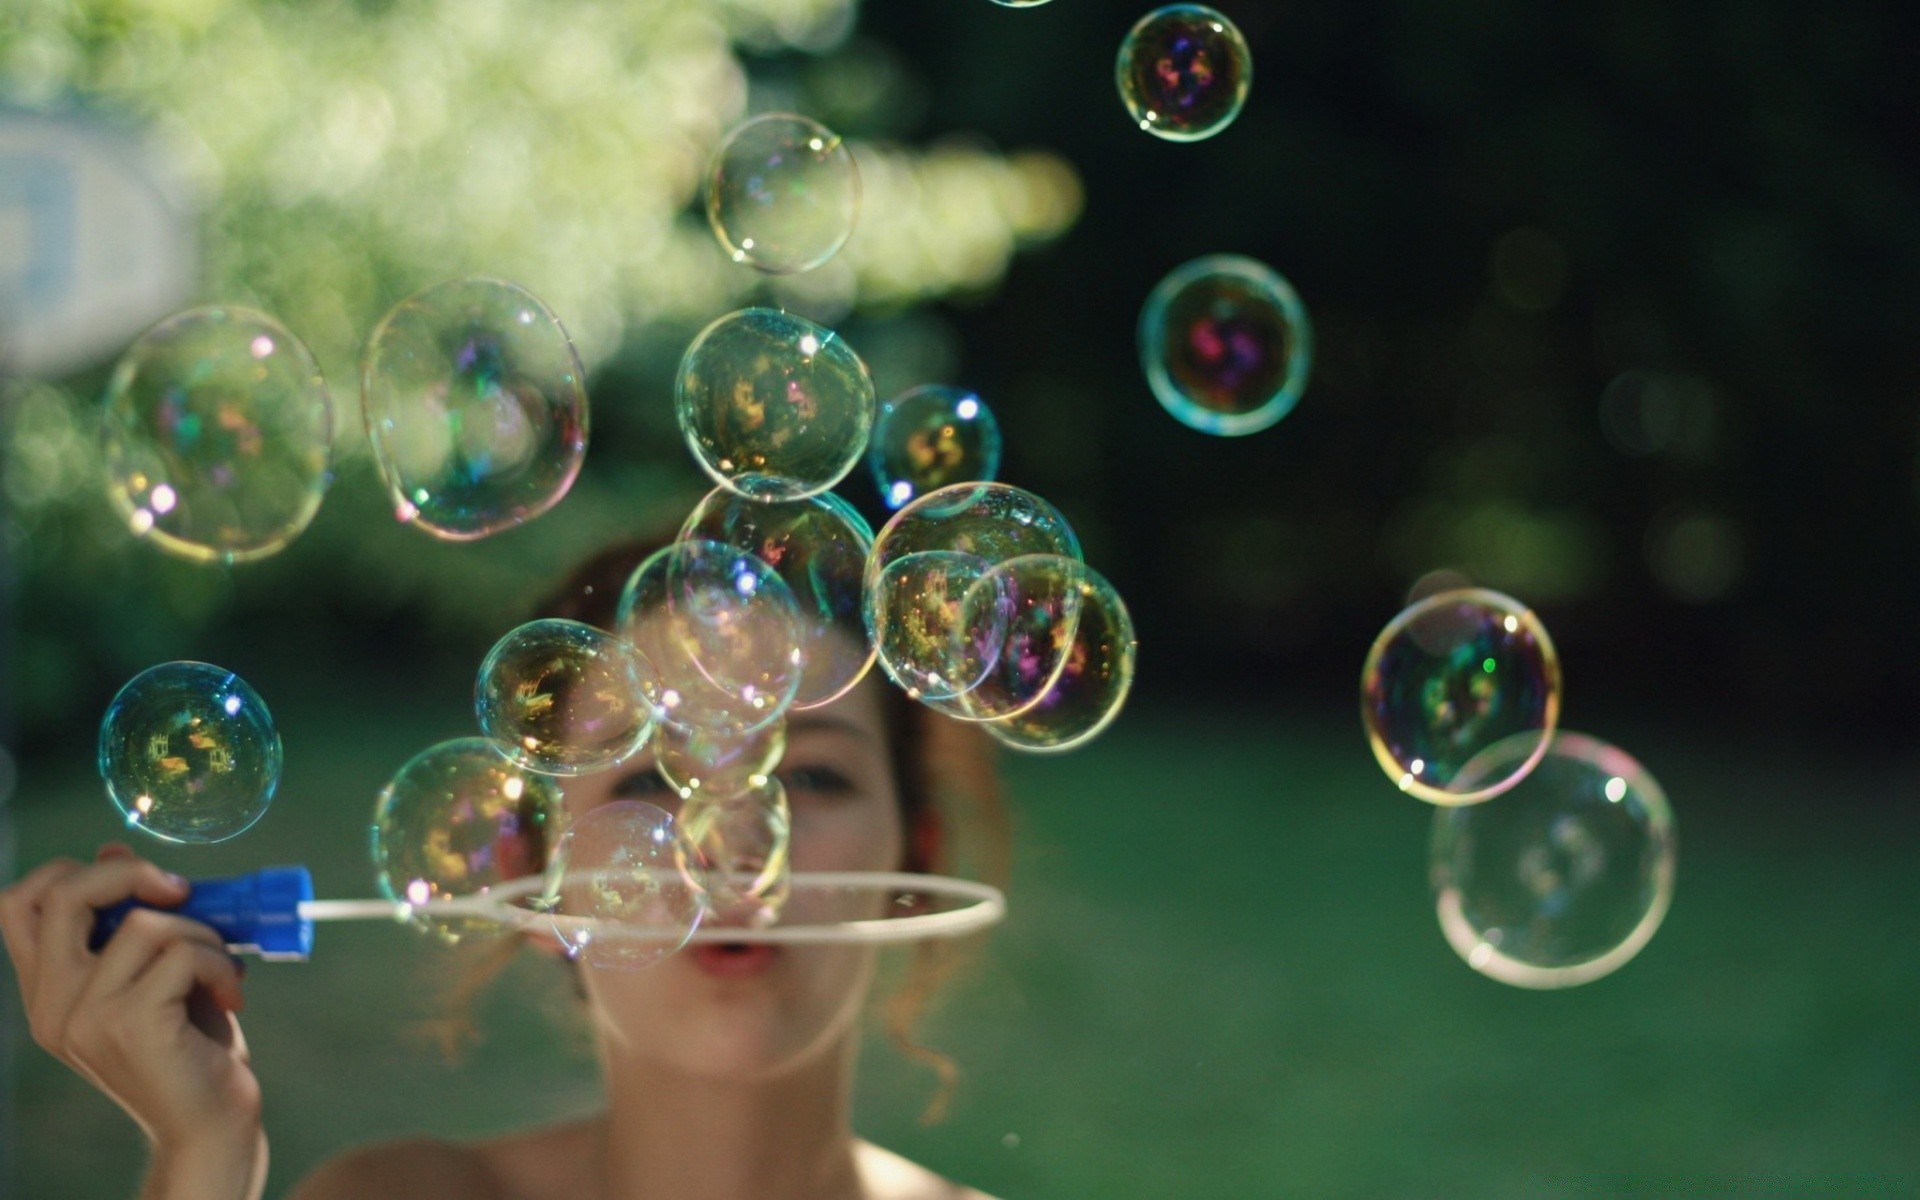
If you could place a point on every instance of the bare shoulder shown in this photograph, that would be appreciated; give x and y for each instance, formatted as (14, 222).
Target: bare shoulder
(884, 1175)
(415, 1169)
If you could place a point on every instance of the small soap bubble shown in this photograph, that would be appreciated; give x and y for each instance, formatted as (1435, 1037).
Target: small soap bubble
(618, 892)
(739, 846)
(476, 407)
(1030, 608)
(457, 820)
(773, 406)
(701, 764)
(1184, 71)
(930, 437)
(818, 545)
(782, 193)
(1451, 677)
(217, 434)
(189, 753)
(1091, 684)
(1566, 876)
(1226, 345)
(922, 563)
(722, 633)
(564, 698)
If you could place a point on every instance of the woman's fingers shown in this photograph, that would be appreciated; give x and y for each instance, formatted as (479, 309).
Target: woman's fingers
(67, 910)
(183, 966)
(20, 912)
(142, 936)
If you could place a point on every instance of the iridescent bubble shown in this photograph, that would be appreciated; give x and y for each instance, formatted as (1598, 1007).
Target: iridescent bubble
(1566, 876)
(217, 434)
(1020, 3)
(618, 892)
(564, 698)
(476, 407)
(1091, 683)
(782, 193)
(702, 765)
(457, 820)
(1448, 679)
(1184, 71)
(738, 845)
(772, 405)
(818, 545)
(922, 563)
(1226, 345)
(1032, 605)
(722, 633)
(189, 753)
(930, 437)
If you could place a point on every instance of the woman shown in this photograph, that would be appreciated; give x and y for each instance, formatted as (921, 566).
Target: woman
(728, 1069)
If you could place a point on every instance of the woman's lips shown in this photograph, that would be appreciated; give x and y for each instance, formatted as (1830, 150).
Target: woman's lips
(734, 960)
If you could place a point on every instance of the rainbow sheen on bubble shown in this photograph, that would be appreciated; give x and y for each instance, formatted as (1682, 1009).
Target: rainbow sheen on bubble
(773, 406)
(922, 563)
(1089, 686)
(1019, 620)
(1226, 345)
(564, 698)
(457, 820)
(618, 894)
(1448, 679)
(1184, 72)
(818, 545)
(723, 634)
(783, 193)
(189, 753)
(476, 407)
(930, 437)
(701, 764)
(217, 435)
(1566, 876)
(739, 846)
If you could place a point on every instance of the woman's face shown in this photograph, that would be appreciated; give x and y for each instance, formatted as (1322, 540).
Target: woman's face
(738, 1011)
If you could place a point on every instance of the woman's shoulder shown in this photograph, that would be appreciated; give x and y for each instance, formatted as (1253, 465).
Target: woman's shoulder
(885, 1175)
(499, 1168)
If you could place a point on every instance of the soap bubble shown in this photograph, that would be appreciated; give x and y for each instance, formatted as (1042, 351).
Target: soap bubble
(722, 633)
(1226, 345)
(457, 820)
(563, 698)
(738, 845)
(476, 407)
(700, 764)
(189, 753)
(1090, 684)
(930, 437)
(922, 563)
(1019, 620)
(1566, 876)
(772, 405)
(617, 890)
(818, 545)
(217, 434)
(1448, 679)
(1020, 3)
(1183, 72)
(782, 193)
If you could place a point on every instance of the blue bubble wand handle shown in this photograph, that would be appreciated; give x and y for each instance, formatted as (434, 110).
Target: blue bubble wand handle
(263, 912)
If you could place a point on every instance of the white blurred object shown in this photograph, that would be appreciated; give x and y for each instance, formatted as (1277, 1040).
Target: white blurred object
(94, 244)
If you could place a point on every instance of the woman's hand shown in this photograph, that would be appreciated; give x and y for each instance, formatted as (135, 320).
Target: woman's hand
(148, 1019)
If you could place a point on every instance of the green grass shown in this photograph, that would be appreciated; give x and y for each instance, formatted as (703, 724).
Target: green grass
(1221, 978)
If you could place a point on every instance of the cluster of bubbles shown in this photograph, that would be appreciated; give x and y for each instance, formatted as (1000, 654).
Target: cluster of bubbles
(1552, 855)
(217, 429)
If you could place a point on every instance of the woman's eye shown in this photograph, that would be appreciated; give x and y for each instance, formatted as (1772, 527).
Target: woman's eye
(819, 781)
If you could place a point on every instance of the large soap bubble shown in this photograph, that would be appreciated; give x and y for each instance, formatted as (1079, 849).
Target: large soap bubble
(456, 821)
(476, 407)
(723, 634)
(564, 698)
(1451, 677)
(189, 753)
(1184, 72)
(739, 846)
(1226, 345)
(1095, 663)
(772, 405)
(818, 545)
(618, 892)
(217, 435)
(782, 193)
(1564, 877)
